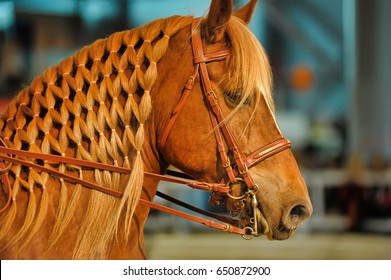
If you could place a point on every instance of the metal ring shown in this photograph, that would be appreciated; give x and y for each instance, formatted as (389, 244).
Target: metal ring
(250, 235)
(252, 191)
(236, 197)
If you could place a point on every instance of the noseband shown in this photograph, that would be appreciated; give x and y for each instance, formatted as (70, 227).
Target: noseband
(237, 172)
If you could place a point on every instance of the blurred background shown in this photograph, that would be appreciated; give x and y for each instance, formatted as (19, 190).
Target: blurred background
(332, 68)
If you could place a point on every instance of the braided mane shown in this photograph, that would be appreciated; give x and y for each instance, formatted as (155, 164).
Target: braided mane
(91, 106)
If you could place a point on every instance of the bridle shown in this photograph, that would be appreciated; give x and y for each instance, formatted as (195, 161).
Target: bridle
(237, 172)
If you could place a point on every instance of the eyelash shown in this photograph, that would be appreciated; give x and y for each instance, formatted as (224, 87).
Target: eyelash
(236, 98)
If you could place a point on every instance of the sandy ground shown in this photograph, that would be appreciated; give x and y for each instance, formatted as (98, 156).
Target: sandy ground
(302, 246)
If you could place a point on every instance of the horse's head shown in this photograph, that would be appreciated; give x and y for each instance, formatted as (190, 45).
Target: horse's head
(242, 86)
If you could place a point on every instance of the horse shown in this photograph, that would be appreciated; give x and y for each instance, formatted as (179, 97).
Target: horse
(84, 147)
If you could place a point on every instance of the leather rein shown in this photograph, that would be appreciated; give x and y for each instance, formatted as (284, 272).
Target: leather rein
(235, 172)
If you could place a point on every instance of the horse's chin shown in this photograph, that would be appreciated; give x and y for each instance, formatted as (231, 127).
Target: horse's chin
(281, 232)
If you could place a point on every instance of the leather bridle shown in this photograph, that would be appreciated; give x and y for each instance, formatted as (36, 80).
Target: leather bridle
(236, 171)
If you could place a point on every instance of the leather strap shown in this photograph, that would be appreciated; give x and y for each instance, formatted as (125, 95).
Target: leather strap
(267, 151)
(221, 218)
(215, 187)
(217, 115)
(205, 186)
(217, 56)
(59, 174)
(223, 227)
(178, 108)
(6, 185)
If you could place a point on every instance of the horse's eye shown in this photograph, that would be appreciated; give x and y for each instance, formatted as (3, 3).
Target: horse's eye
(236, 98)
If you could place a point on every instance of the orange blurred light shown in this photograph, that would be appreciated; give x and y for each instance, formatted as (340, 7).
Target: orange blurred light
(302, 78)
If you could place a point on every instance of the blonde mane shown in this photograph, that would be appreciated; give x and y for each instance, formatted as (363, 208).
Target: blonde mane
(93, 106)
(74, 109)
(248, 74)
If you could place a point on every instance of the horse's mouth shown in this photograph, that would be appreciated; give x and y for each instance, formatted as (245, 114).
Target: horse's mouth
(254, 218)
(264, 227)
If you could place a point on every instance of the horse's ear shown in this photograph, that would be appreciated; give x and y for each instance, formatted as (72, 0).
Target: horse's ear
(246, 12)
(219, 14)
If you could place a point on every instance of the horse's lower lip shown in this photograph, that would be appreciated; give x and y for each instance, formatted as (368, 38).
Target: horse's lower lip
(282, 232)
(279, 232)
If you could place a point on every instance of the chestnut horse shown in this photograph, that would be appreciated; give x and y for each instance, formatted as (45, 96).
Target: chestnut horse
(128, 102)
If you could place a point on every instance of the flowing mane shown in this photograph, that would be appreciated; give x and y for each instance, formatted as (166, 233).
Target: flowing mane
(248, 69)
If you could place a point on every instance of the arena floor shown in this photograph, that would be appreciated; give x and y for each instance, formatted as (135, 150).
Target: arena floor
(302, 246)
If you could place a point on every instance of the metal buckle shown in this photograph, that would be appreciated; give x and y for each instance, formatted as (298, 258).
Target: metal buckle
(212, 92)
(192, 79)
(228, 164)
(242, 172)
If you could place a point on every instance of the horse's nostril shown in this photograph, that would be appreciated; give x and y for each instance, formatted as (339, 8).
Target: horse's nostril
(298, 210)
